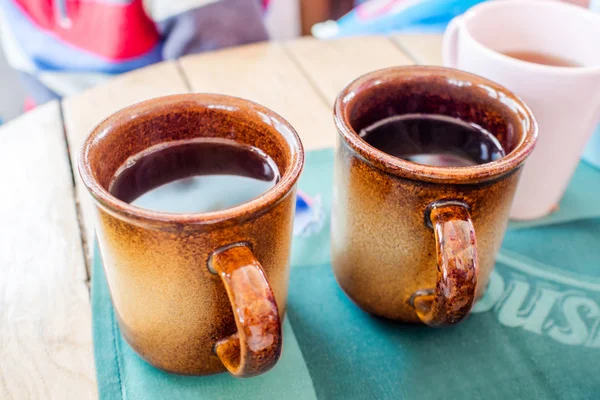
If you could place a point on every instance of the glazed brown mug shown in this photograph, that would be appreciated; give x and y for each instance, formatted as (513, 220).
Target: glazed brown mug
(197, 294)
(415, 242)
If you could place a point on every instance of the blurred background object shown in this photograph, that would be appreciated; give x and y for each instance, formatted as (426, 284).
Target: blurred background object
(287, 19)
(283, 20)
(387, 16)
(12, 95)
(59, 48)
(316, 11)
(334, 18)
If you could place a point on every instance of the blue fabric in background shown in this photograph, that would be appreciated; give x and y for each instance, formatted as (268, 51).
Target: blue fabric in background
(534, 335)
(395, 16)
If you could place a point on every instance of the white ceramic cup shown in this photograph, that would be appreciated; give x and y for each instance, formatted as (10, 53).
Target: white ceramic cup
(565, 100)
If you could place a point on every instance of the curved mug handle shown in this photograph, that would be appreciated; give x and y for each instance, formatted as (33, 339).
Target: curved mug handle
(256, 346)
(450, 43)
(456, 247)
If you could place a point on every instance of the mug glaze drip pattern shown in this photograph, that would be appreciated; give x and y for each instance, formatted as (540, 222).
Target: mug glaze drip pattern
(384, 250)
(195, 293)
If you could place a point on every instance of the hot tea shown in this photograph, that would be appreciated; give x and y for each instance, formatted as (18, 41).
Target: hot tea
(194, 176)
(541, 58)
(435, 140)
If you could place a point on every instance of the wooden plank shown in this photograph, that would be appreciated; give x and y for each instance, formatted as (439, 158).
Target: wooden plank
(45, 321)
(423, 49)
(332, 64)
(265, 74)
(84, 111)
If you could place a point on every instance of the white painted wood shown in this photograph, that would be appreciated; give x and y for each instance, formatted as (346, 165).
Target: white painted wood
(84, 111)
(265, 73)
(423, 49)
(45, 322)
(332, 64)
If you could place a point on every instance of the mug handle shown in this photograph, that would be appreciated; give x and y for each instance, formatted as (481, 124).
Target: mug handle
(256, 346)
(457, 264)
(450, 43)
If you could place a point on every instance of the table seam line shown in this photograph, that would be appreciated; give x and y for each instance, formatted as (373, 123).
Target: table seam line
(183, 75)
(76, 203)
(397, 43)
(312, 83)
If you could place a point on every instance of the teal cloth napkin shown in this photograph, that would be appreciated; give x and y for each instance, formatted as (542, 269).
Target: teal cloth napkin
(535, 334)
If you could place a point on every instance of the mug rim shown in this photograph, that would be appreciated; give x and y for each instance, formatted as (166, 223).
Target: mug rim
(472, 13)
(429, 173)
(238, 213)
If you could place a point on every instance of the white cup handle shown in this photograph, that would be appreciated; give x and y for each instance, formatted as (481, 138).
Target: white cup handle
(450, 43)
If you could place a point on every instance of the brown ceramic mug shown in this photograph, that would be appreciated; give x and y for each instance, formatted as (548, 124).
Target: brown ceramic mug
(414, 242)
(197, 293)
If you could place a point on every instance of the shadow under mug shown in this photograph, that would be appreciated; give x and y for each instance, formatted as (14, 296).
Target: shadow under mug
(414, 242)
(197, 293)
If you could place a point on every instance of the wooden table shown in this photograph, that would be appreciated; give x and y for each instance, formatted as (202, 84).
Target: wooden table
(47, 215)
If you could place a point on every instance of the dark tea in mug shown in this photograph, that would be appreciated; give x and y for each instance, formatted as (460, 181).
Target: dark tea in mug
(432, 139)
(195, 176)
(541, 58)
